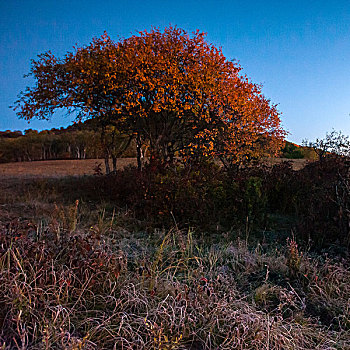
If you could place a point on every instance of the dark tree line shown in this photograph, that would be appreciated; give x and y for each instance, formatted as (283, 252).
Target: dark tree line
(75, 142)
(84, 141)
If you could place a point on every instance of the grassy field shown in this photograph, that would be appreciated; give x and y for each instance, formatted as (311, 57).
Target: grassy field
(78, 271)
(81, 167)
(57, 168)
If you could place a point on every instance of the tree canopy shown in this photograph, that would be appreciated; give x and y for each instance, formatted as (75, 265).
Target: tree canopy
(173, 91)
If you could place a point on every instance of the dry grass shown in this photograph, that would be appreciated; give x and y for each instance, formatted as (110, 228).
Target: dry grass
(79, 275)
(107, 288)
(75, 276)
(57, 168)
(60, 168)
(297, 164)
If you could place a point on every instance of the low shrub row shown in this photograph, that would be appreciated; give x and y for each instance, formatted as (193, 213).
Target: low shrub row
(315, 198)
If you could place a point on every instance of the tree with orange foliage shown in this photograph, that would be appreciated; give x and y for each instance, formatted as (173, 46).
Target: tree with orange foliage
(171, 90)
(85, 82)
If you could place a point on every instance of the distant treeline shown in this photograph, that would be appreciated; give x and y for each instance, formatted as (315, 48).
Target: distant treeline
(294, 151)
(82, 141)
(77, 141)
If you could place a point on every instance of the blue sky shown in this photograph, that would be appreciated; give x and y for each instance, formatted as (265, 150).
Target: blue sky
(298, 50)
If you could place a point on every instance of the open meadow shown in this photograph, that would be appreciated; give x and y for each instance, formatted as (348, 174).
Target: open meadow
(170, 260)
(56, 168)
(81, 167)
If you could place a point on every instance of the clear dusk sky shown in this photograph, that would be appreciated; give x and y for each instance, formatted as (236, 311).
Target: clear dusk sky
(298, 50)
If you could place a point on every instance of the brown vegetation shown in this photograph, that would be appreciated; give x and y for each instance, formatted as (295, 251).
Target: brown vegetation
(74, 167)
(97, 262)
(57, 168)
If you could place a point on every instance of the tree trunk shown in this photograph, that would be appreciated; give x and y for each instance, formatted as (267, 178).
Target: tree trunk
(108, 169)
(138, 153)
(114, 162)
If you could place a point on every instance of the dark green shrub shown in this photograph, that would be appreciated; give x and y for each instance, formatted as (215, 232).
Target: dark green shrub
(291, 151)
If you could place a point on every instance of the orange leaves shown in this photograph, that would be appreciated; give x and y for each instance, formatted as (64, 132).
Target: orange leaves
(176, 91)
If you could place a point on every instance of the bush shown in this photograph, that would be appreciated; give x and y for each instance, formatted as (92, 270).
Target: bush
(324, 201)
(314, 202)
(291, 151)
